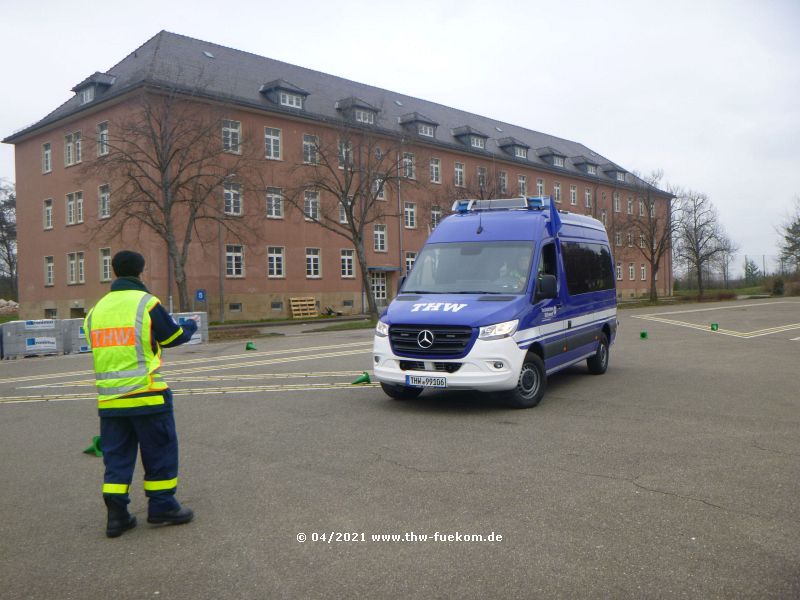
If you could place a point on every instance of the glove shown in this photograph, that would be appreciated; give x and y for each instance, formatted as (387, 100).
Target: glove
(189, 326)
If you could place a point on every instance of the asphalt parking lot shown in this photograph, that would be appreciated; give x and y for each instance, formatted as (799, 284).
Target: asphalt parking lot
(674, 475)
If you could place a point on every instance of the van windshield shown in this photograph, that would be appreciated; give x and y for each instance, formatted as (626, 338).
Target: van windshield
(471, 268)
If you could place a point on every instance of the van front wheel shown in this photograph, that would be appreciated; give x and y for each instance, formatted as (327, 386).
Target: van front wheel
(401, 392)
(598, 364)
(531, 384)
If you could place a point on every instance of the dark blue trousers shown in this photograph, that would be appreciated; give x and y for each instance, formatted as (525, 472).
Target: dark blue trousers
(121, 438)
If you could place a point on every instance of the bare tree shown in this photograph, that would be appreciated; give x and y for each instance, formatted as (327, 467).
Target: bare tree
(727, 253)
(790, 232)
(170, 170)
(652, 228)
(343, 182)
(8, 235)
(698, 234)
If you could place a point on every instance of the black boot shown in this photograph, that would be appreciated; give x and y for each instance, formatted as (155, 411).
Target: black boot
(119, 519)
(176, 516)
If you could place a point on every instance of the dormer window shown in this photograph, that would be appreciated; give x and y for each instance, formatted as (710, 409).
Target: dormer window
(620, 176)
(470, 137)
(364, 116)
(520, 152)
(87, 94)
(425, 130)
(558, 161)
(514, 147)
(291, 100)
(477, 142)
(591, 169)
(419, 124)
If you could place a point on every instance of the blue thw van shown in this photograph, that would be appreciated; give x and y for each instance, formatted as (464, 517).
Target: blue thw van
(503, 294)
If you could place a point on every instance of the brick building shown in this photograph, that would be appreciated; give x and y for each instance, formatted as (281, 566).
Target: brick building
(444, 153)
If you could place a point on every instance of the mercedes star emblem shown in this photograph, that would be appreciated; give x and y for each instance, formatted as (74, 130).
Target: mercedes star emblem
(425, 339)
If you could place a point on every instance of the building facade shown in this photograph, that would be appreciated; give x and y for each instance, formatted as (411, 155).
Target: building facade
(286, 115)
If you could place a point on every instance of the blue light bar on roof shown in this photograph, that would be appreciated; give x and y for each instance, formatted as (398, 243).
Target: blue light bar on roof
(538, 202)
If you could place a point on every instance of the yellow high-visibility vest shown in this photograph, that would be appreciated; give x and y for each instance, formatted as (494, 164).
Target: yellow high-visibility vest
(119, 333)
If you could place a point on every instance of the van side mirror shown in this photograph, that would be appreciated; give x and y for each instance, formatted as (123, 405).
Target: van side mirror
(546, 287)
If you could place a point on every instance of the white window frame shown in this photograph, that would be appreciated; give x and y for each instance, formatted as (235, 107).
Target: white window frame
(458, 174)
(378, 285)
(641, 207)
(364, 116)
(477, 142)
(587, 196)
(272, 143)
(643, 272)
(436, 170)
(234, 201)
(619, 271)
(591, 169)
(425, 130)
(310, 149)
(618, 238)
(47, 216)
(409, 166)
(520, 152)
(539, 186)
(410, 215)
(49, 271)
(72, 268)
(274, 203)
(411, 258)
(345, 154)
(234, 261)
(573, 195)
(232, 136)
(105, 264)
(379, 241)
(604, 217)
(379, 189)
(617, 204)
(47, 157)
(290, 100)
(276, 261)
(102, 138)
(103, 201)
(347, 263)
(630, 205)
(87, 94)
(557, 191)
(620, 176)
(436, 216)
(631, 272)
(558, 161)
(522, 185)
(311, 205)
(502, 179)
(482, 174)
(642, 242)
(313, 263)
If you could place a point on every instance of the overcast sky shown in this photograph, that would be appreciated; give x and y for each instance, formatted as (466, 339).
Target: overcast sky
(708, 91)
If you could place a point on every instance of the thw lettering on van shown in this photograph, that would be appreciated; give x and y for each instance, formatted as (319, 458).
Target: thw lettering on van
(437, 306)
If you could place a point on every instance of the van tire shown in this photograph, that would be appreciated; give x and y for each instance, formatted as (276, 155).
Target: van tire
(531, 384)
(400, 392)
(598, 364)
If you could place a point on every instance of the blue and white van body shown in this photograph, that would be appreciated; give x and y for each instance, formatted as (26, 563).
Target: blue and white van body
(504, 294)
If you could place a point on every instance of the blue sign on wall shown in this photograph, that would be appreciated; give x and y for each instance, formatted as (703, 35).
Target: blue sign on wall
(200, 295)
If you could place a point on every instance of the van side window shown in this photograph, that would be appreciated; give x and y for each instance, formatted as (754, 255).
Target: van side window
(588, 267)
(547, 260)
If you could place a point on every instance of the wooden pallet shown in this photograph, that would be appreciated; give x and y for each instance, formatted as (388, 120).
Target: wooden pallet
(303, 307)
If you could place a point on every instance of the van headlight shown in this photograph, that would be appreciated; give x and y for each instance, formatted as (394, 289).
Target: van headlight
(382, 329)
(498, 330)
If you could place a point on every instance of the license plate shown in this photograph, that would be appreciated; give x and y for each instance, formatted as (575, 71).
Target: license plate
(423, 381)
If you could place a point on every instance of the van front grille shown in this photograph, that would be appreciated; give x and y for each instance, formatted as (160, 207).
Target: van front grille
(422, 340)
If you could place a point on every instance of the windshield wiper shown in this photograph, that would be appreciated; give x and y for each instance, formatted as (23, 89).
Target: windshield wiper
(417, 292)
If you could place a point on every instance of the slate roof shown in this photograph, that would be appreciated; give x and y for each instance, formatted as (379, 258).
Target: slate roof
(179, 62)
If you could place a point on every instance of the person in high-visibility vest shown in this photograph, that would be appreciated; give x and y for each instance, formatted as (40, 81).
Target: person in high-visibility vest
(126, 330)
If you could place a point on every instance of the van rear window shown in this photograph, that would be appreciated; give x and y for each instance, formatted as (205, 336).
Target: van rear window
(588, 267)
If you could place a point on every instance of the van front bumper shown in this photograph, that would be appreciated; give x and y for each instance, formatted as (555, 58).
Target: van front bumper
(479, 370)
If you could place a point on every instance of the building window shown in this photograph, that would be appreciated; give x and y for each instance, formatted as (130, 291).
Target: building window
(641, 208)
(619, 271)
(642, 242)
(310, 149)
(558, 161)
(379, 238)
(364, 116)
(520, 152)
(233, 199)
(616, 202)
(377, 282)
(522, 185)
(436, 217)
(75, 268)
(588, 197)
(47, 158)
(573, 195)
(458, 175)
(436, 170)
(630, 205)
(49, 275)
(234, 261)
(618, 238)
(379, 189)
(347, 261)
(311, 206)
(74, 208)
(275, 262)
(411, 257)
(313, 263)
(477, 142)
(291, 100)
(643, 272)
(103, 202)
(274, 203)
(345, 154)
(410, 215)
(557, 191)
(102, 138)
(72, 148)
(272, 143)
(630, 240)
(105, 264)
(482, 178)
(620, 176)
(409, 170)
(231, 136)
(425, 130)
(631, 272)
(591, 169)
(87, 94)
(48, 213)
(604, 217)
(502, 179)
(540, 187)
